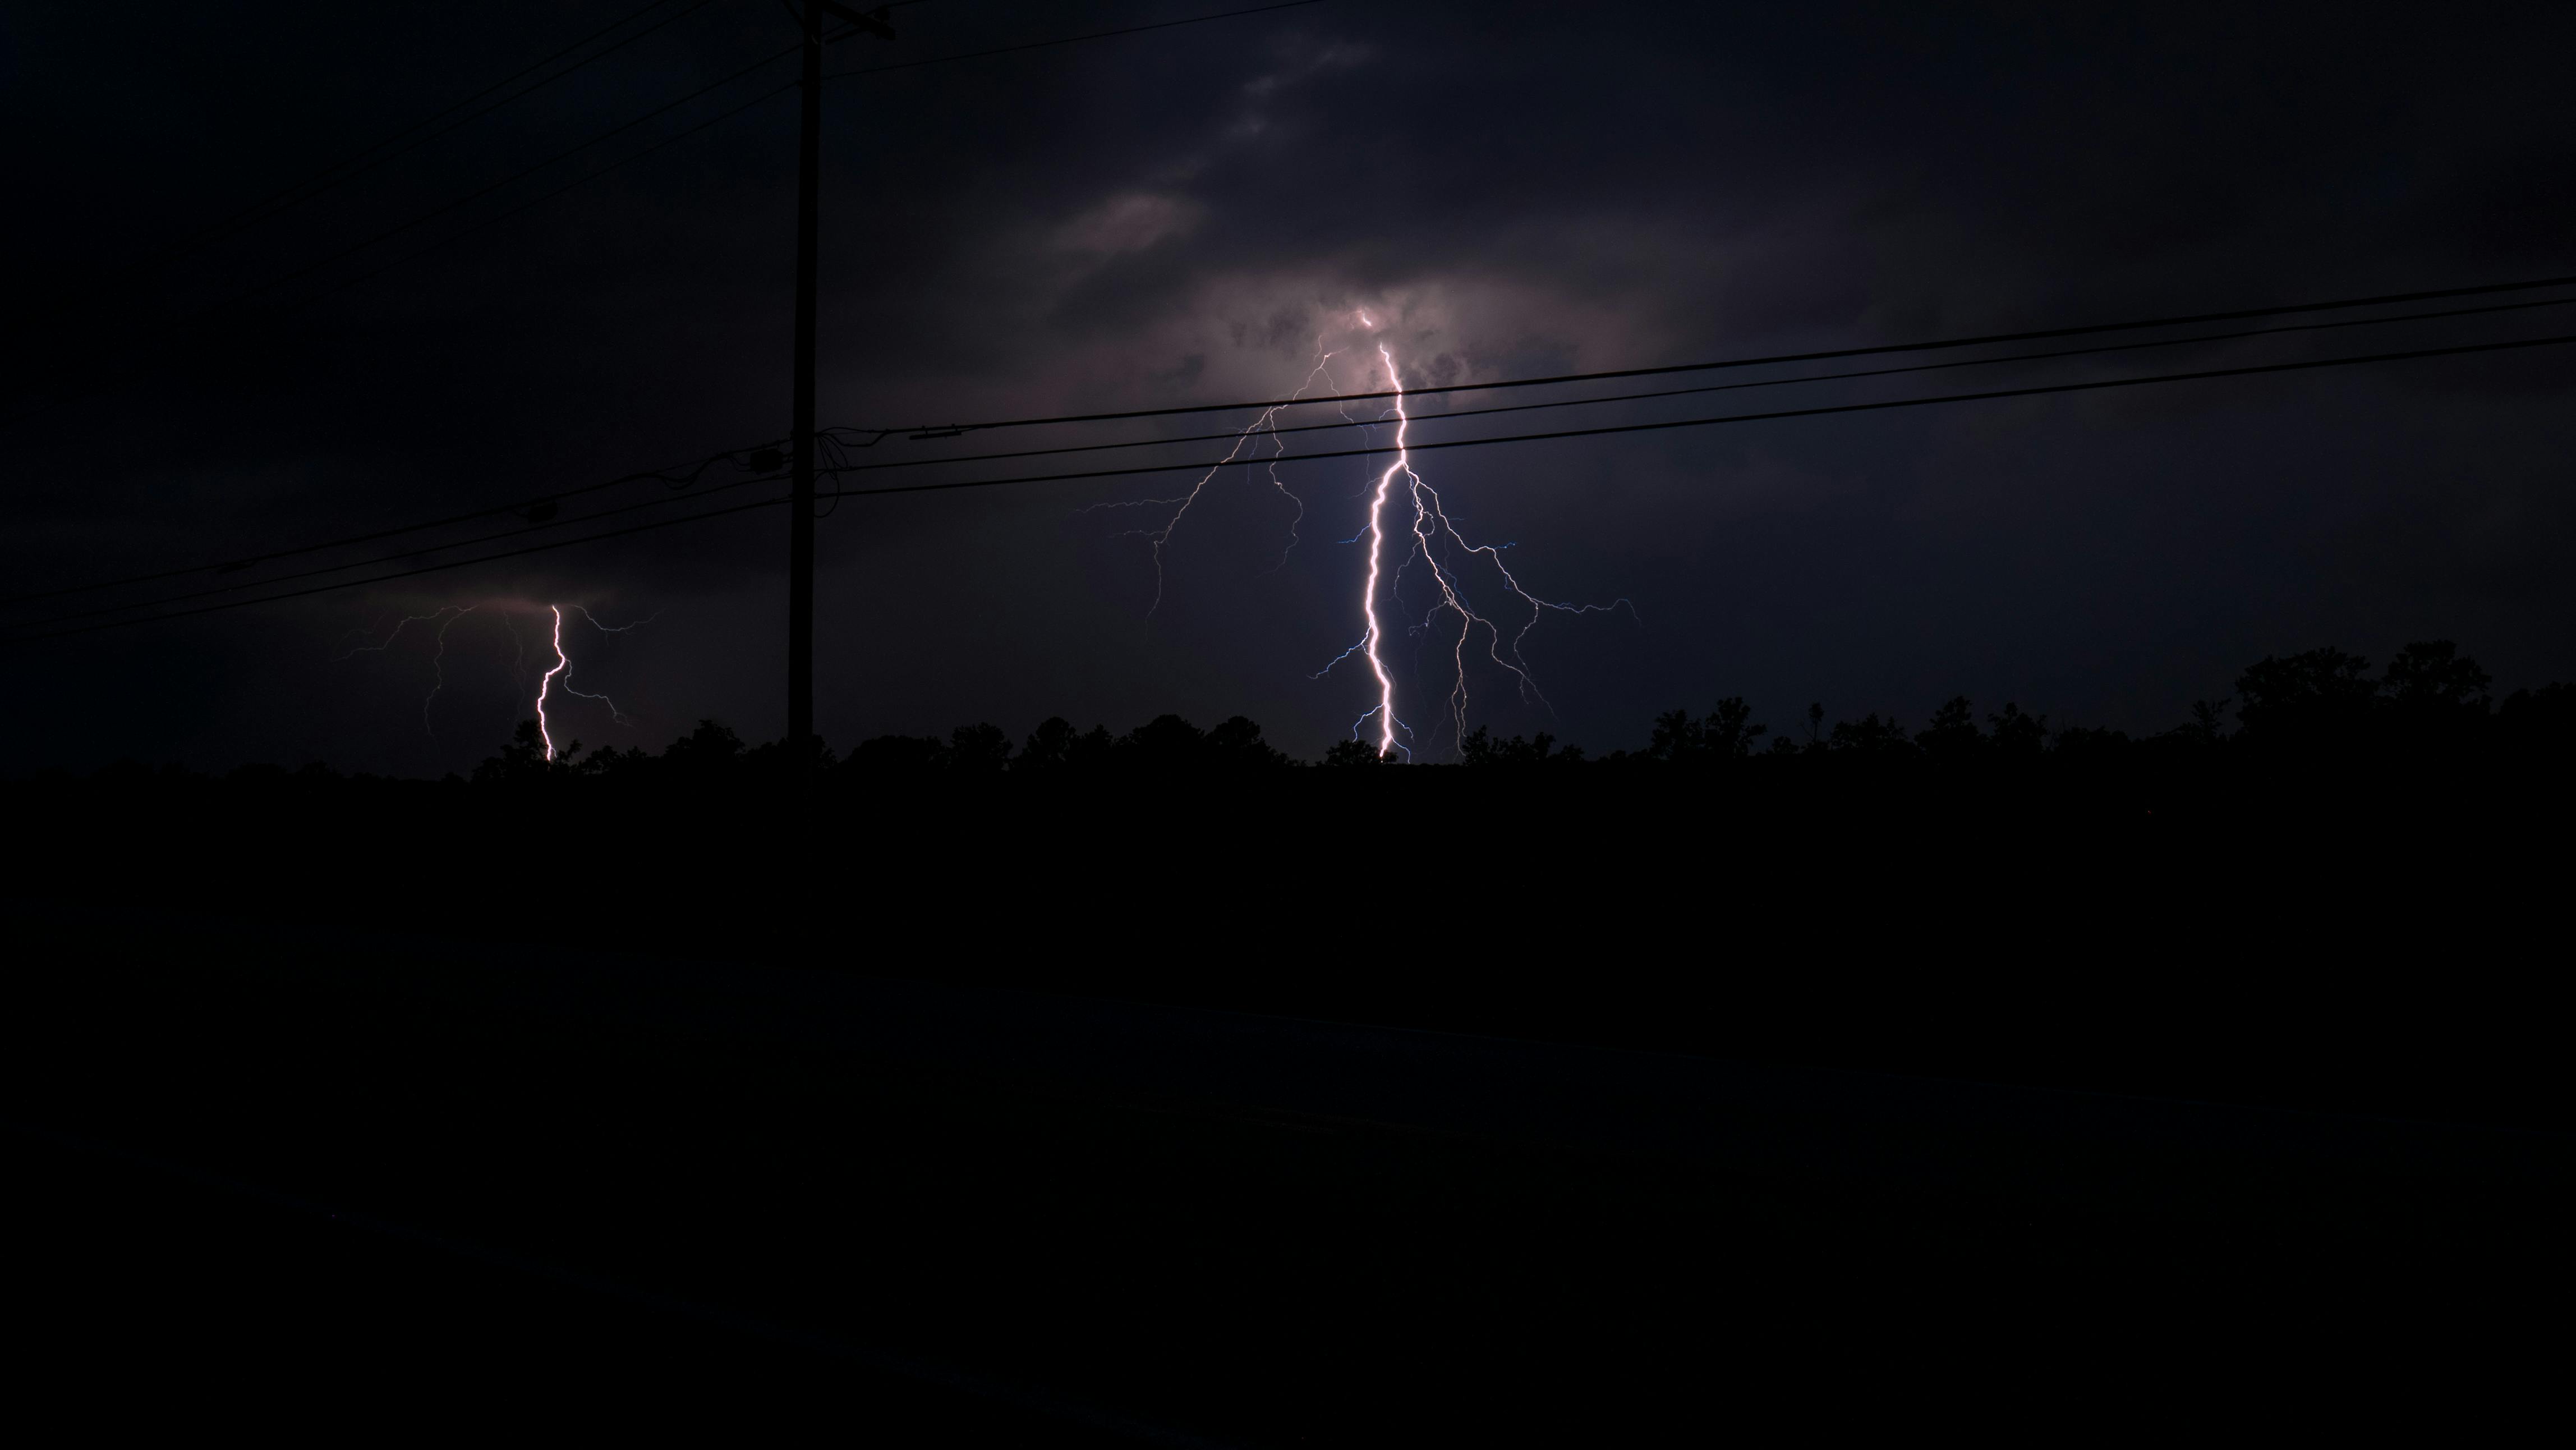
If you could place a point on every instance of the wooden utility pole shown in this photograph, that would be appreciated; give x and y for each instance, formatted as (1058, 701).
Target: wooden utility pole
(800, 528)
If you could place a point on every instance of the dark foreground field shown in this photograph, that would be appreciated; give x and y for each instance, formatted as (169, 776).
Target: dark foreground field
(1103, 1115)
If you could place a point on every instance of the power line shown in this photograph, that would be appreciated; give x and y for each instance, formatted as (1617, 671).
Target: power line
(1746, 362)
(2027, 392)
(539, 200)
(424, 549)
(673, 477)
(1711, 388)
(404, 573)
(676, 478)
(1842, 408)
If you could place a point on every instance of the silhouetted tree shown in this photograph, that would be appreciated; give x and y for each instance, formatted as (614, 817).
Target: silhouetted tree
(784, 764)
(1725, 734)
(2539, 725)
(2088, 743)
(2320, 699)
(2016, 735)
(2432, 674)
(1871, 735)
(2430, 706)
(524, 758)
(1056, 745)
(1729, 731)
(1049, 747)
(1482, 749)
(1952, 735)
(1236, 744)
(978, 750)
(1165, 742)
(1094, 749)
(633, 762)
(1676, 738)
(900, 755)
(709, 751)
(2434, 702)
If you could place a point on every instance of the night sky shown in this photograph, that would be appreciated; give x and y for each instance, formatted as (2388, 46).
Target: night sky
(1175, 217)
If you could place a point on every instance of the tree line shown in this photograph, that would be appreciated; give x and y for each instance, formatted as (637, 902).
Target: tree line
(2429, 701)
(2325, 707)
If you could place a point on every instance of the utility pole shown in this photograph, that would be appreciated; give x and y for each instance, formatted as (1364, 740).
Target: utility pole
(800, 528)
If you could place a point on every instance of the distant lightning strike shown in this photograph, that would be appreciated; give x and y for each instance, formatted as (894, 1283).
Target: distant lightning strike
(558, 676)
(1432, 526)
(1433, 540)
(446, 616)
(438, 667)
(563, 670)
(1385, 708)
(545, 728)
(1158, 537)
(1433, 535)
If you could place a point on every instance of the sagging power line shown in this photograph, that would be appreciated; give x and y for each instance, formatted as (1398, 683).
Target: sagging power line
(2034, 335)
(1423, 419)
(538, 511)
(688, 475)
(2092, 385)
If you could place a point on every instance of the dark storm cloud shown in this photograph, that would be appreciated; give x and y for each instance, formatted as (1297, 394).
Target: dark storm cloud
(1175, 217)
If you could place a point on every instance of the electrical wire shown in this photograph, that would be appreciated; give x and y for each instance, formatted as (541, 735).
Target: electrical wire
(535, 201)
(2035, 335)
(519, 532)
(1843, 408)
(671, 476)
(405, 573)
(1429, 418)
(424, 549)
(2034, 391)
(839, 466)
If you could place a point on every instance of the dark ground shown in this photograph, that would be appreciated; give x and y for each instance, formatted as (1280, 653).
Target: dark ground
(569, 1212)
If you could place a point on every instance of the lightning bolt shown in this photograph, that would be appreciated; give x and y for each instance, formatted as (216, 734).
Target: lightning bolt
(563, 670)
(1180, 506)
(545, 728)
(556, 677)
(1430, 540)
(1432, 535)
(1384, 710)
(446, 617)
